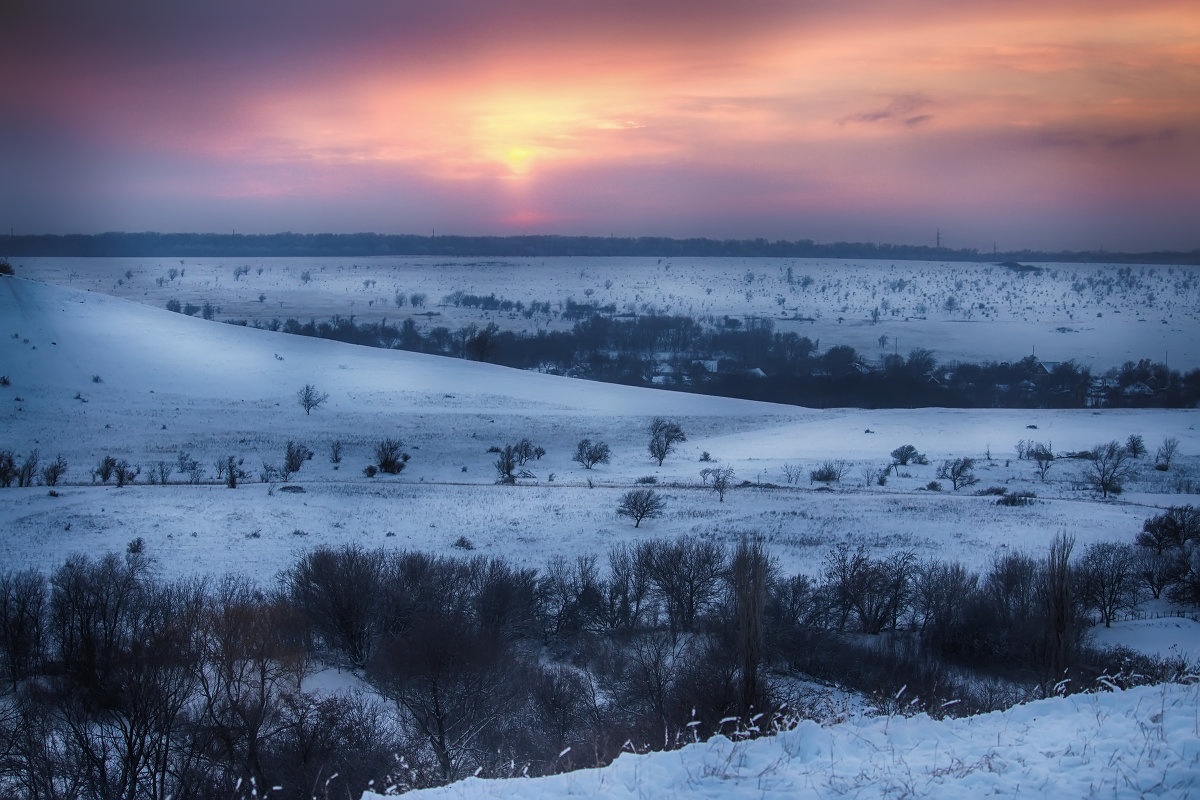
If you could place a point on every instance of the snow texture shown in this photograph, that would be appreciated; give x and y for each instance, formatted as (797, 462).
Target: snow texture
(1144, 742)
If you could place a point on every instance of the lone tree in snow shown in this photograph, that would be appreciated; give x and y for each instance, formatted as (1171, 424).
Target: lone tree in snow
(1166, 452)
(589, 454)
(721, 478)
(1043, 457)
(1108, 467)
(664, 435)
(310, 398)
(640, 504)
(960, 472)
(906, 453)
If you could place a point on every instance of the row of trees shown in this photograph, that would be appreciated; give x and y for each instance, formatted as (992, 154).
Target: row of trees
(679, 351)
(119, 685)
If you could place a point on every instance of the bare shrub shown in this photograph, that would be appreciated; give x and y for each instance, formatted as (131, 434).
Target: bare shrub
(104, 470)
(829, 472)
(53, 472)
(28, 469)
(1166, 453)
(390, 457)
(125, 473)
(294, 456)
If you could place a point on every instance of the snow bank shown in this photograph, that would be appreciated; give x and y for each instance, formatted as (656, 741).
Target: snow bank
(1136, 743)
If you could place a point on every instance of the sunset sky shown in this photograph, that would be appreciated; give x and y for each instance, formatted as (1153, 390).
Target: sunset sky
(1027, 124)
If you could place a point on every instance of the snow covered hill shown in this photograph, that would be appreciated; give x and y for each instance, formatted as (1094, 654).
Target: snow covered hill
(93, 376)
(1143, 742)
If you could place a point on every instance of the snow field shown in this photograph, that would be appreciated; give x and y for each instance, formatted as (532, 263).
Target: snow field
(1099, 314)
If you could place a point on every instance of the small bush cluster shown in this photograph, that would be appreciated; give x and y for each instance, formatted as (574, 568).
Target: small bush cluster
(390, 457)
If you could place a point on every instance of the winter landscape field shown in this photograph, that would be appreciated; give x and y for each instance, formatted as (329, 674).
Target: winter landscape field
(96, 368)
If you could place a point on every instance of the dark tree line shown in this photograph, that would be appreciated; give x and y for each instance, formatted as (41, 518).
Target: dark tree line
(754, 361)
(181, 245)
(117, 684)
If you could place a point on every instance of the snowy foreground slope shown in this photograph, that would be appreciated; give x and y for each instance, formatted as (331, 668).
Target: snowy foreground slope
(1144, 742)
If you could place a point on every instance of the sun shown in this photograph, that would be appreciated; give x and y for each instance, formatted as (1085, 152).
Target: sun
(519, 160)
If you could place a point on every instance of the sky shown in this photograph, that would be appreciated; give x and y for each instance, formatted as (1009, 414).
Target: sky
(1057, 124)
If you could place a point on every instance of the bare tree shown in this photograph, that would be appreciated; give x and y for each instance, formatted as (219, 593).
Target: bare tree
(906, 453)
(640, 504)
(1166, 452)
(1107, 579)
(1108, 468)
(454, 682)
(1060, 606)
(750, 574)
(721, 478)
(876, 591)
(310, 398)
(1043, 458)
(505, 463)
(589, 454)
(1170, 529)
(52, 472)
(525, 450)
(23, 609)
(686, 573)
(664, 435)
(1135, 445)
(27, 472)
(959, 471)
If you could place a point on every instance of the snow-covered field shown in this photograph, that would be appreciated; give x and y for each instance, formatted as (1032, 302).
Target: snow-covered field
(169, 383)
(1143, 742)
(91, 375)
(1101, 315)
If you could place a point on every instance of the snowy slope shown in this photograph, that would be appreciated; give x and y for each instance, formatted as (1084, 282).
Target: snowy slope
(1144, 742)
(172, 383)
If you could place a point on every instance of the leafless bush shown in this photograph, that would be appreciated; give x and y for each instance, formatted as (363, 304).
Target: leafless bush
(829, 472)
(53, 472)
(1166, 452)
(125, 473)
(294, 456)
(390, 456)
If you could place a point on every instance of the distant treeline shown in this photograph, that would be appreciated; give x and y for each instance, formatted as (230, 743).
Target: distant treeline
(214, 245)
(755, 362)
